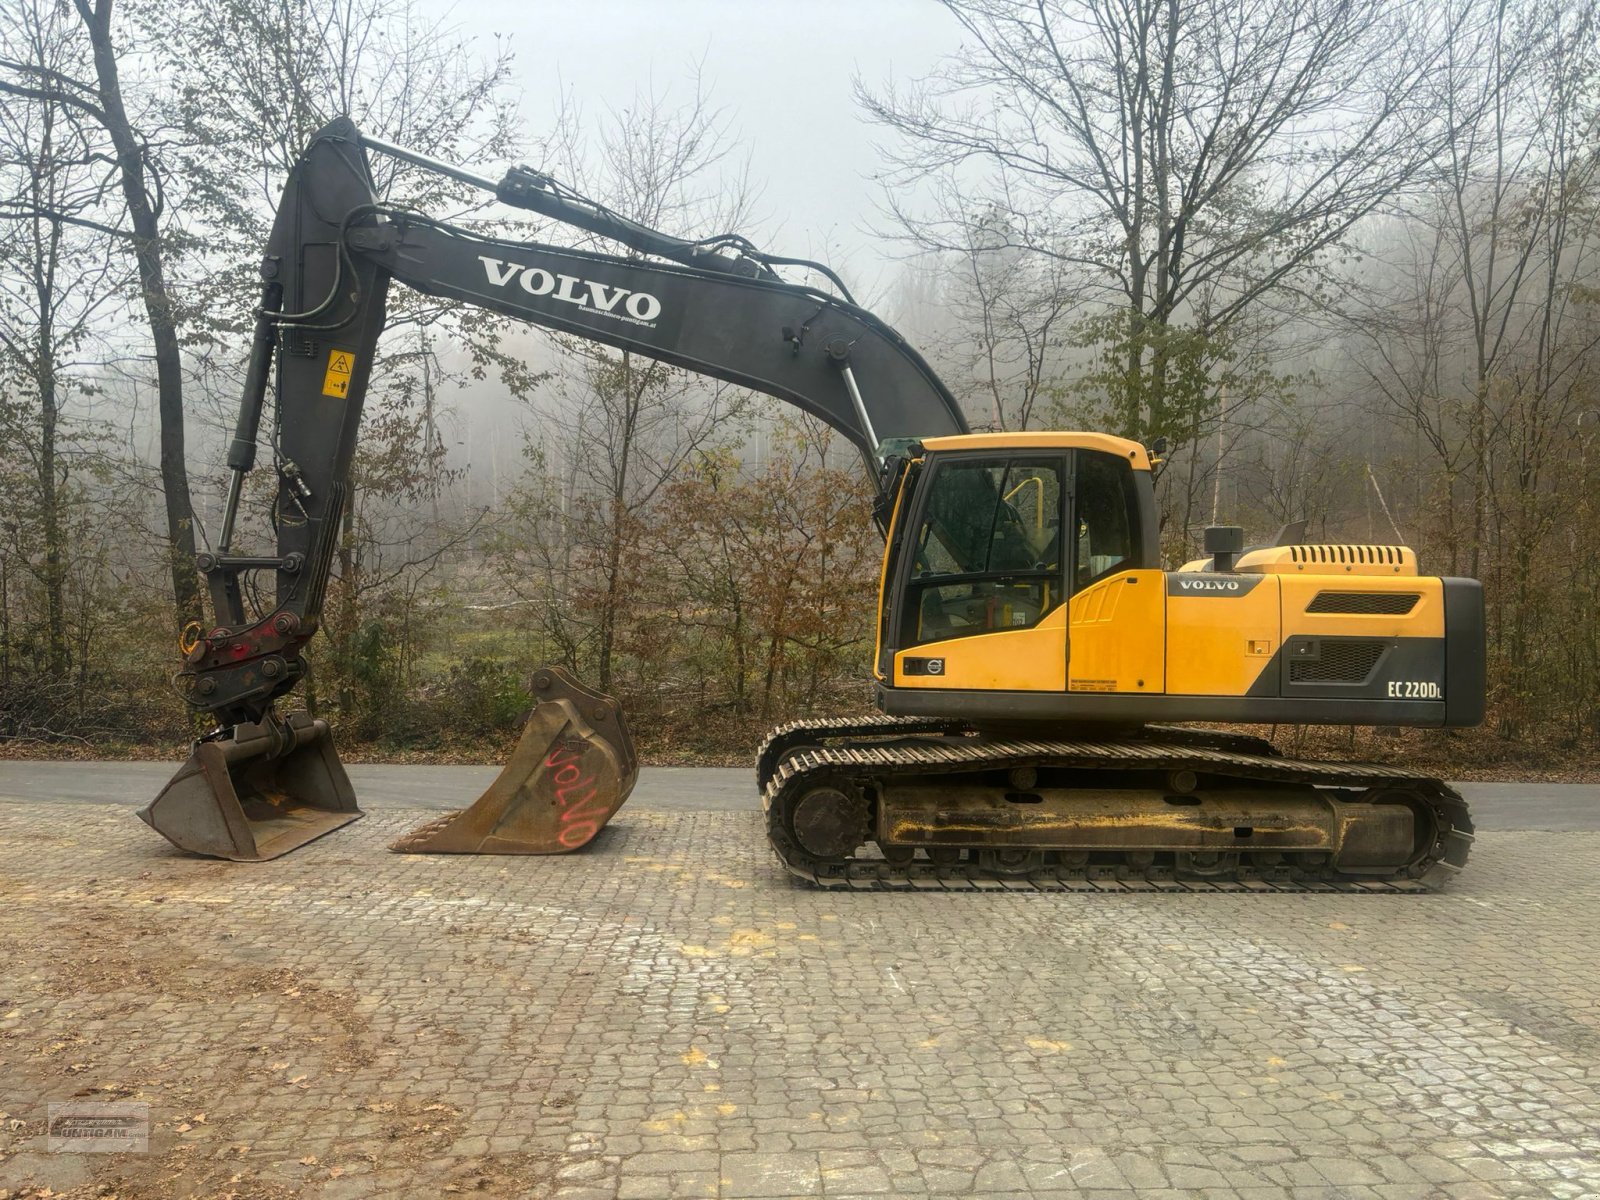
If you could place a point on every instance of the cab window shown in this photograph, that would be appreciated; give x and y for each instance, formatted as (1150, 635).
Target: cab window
(987, 555)
(1105, 508)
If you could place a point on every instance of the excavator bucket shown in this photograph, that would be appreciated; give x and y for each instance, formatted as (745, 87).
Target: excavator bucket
(266, 790)
(571, 770)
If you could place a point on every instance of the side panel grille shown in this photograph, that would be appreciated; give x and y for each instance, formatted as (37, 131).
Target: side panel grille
(1340, 662)
(1388, 603)
(1391, 555)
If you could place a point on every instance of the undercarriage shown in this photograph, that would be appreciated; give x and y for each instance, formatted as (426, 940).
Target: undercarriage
(937, 804)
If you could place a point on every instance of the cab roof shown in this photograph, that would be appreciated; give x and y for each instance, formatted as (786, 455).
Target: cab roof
(1106, 443)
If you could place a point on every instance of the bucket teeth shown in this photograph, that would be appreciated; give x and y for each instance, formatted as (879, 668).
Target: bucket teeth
(571, 770)
(259, 793)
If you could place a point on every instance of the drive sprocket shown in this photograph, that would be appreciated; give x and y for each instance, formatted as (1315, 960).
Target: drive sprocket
(826, 821)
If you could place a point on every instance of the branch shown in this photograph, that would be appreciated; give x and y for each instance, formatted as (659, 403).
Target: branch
(47, 95)
(61, 218)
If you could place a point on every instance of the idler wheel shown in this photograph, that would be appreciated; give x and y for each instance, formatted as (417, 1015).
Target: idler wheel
(830, 822)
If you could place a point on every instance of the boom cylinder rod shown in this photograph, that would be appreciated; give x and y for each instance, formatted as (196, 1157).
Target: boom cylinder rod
(242, 450)
(230, 510)
(860, 405)
(838, 352)
(433, 164)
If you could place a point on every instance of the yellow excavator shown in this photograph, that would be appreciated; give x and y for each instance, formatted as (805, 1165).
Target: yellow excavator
(1030, 648)
(1031, 651)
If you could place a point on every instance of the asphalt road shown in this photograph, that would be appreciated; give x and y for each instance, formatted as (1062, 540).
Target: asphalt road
(1549, 807)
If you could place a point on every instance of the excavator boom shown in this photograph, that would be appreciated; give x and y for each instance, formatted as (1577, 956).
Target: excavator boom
(333, 251)
(717, 307)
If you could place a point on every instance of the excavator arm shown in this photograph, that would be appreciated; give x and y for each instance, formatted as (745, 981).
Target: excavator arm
(333, 251)
(718, 307)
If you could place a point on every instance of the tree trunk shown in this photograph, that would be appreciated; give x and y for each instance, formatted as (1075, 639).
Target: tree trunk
(143, 216)
(611, 604)
(50, 506)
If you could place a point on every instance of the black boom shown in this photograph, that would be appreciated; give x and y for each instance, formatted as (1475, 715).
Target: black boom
(333, 250)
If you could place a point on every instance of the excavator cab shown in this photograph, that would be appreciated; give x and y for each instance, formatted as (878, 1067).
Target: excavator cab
(1022, 584)
(992, 535)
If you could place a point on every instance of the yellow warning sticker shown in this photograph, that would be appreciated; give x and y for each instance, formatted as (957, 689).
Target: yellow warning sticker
(337, 381)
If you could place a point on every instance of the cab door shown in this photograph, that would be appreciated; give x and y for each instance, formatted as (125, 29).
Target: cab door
(1116, 627)
(983, 573)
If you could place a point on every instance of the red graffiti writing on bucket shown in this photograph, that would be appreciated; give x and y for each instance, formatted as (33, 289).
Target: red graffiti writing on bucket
(582, 811)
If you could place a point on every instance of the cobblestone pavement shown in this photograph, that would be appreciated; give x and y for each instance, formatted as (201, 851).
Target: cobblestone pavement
(667, 1015)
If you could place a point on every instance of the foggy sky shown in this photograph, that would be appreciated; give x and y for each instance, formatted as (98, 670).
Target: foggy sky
(782, 70)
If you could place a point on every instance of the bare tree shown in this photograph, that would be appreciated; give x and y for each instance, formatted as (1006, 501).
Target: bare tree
(58, 279)
(100, 101)
(1192, 161)
(256, 81)
(621, 427)
(997, 320)
(1479, 333)
(63, 280)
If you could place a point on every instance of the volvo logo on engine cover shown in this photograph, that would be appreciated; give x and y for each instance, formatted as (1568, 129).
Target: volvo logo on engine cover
(1195, 584)
(635, 307)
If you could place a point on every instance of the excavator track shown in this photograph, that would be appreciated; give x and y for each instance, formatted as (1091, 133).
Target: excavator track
(831, 775)
(823, 731)
(818, 732)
